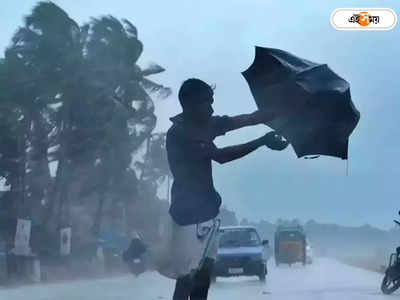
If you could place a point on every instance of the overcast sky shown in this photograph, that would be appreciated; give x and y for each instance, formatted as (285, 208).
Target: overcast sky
(214, 40)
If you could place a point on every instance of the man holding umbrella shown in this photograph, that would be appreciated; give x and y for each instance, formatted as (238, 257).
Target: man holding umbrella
(304, 101)
(194, 200)
(188, 248)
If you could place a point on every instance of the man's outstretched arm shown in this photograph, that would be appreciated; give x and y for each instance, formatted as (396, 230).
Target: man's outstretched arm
(255, 118)
(227, 154)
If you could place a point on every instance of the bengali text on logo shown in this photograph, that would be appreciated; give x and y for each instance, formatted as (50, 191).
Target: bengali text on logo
(363, 18)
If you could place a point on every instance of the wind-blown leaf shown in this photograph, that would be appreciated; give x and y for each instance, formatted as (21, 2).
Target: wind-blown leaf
(130, 28)
(152, 69)
(152, 87)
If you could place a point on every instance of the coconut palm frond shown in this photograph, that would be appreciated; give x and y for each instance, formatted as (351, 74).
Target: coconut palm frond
(84, 34)
(108, 42)
(130, 28)
(23, 36)
(152, 69)
(153, 87)
(134, 49)
(136, 91)
(47, 16)
(107, 29)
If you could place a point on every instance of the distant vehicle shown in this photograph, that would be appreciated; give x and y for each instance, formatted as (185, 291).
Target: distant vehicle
(391, 280)
(290, 245)
(241, 252)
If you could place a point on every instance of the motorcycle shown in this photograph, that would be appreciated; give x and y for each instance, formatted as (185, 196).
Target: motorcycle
(391, 280)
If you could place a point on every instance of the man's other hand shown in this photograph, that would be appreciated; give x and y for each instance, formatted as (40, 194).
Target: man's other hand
(274, 141)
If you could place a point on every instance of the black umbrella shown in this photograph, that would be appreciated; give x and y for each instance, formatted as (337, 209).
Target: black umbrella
(313, 104)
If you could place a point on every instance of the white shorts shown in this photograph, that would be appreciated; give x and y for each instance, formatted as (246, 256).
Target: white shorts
(183, 248)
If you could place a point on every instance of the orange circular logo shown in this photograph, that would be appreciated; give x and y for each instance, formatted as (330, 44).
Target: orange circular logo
(364, 18)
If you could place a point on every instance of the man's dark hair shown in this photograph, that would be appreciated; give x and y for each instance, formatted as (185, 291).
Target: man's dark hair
(193, 91)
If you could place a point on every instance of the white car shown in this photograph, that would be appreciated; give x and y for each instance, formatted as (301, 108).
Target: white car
(241, 252)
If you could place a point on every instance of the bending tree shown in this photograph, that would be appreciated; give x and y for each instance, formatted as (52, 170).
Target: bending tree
(74, 97)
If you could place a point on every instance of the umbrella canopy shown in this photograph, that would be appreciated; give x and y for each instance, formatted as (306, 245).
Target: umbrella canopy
(313, 105)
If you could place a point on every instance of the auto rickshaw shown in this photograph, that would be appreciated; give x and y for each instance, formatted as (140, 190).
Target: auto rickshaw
(290, 245)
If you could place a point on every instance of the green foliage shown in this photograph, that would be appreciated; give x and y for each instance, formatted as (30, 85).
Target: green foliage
(75, 95)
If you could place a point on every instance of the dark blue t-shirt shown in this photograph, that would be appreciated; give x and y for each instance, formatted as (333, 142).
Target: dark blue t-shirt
(190, 149)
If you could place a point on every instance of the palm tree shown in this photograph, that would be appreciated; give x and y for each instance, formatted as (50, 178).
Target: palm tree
(10, 162)
(113, 49)
(79, 92)
(112, 52)
(47, 57)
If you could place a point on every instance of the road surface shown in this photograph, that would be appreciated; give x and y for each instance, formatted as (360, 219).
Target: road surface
(324, 280)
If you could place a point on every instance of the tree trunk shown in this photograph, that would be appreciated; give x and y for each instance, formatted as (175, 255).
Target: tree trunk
(22, 210)
(57, 191)
(99, 213)
(53, 196)
(39, 178)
